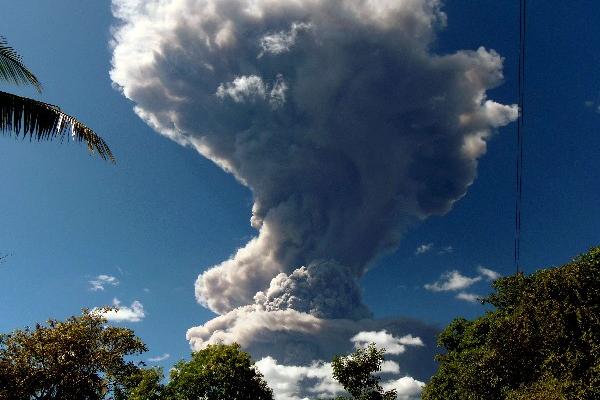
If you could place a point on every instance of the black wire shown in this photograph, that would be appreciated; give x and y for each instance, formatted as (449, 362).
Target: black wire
(520, 131)
(517, 168)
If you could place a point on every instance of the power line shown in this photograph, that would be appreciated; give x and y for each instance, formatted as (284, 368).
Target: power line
(520, 131)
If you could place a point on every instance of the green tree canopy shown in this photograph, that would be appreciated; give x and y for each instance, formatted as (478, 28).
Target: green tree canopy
(355, 373)
(146, 384)
(80, 358)
(542, 340)
(218, 372)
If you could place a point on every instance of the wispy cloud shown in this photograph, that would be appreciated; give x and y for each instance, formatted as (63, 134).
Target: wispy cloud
(446, 250)
(488, 274)
(134, 313)
(470, 297)
(385, 340)
(160, 358)
(424, 248)
(430, 247)
(102, 281)
(452, 281)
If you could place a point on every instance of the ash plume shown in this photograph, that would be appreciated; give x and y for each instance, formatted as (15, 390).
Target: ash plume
(338, 117)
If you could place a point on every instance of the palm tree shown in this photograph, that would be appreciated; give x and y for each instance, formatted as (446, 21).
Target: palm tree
(35, 119)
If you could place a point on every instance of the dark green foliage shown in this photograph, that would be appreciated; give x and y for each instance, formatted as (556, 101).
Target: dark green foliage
(43, 121)
(542, 341)
(12, 68)
(355, 373)
(78, 359)
(218, 372)
(146, 385)
(36, 119)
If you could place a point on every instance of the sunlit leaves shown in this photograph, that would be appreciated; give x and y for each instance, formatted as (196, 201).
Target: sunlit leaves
(80, 358)
(218, 372)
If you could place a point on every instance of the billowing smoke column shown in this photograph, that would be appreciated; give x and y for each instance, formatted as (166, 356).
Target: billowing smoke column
(337, 116)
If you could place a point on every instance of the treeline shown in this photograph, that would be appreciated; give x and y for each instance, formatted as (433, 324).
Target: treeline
(540, 341)
(83, 358)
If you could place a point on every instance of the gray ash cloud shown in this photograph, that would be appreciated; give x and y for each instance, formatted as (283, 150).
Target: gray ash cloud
(337, 116)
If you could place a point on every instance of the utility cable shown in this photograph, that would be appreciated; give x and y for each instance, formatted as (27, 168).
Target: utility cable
(520, 132)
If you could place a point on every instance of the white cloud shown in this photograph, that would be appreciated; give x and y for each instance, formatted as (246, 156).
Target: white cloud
(282, 42)
(164, 357)
(101, 281)
(298, 338)
(424, 248)
(243, 88)
(488, 274)
(455, 281)
(470, 297)
(251, 89)
(429, 247)
(384, 340)
(407, 388)
(134, 313)
(390, 367)
(294, 382)
(291, 382)
(452, 281)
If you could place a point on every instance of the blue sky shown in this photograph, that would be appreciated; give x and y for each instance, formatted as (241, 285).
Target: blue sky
(163, 213)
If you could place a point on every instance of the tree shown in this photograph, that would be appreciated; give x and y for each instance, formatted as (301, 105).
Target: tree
(78, 359)
(35, 119)
(356, 374)
(218, 372)
(542, 340)
(146, 385)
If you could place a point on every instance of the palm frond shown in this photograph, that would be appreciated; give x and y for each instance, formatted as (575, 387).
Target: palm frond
(12, 68)
(43, 121)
